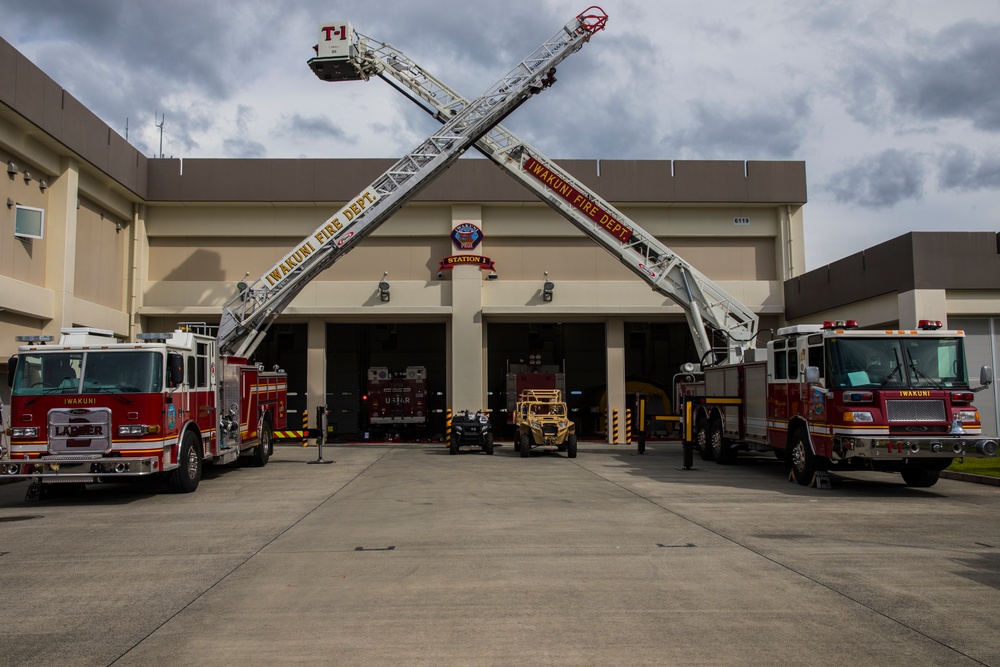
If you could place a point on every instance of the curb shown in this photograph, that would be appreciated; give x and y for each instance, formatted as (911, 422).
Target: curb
(969, 477)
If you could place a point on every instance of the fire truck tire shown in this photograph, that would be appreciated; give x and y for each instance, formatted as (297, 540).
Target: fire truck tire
(920, 478)
(804, 462)
(701, 440)
(186, 476)
(571, 446)
(262, 452)
(488, 444)
(525, 448)
(721, 451)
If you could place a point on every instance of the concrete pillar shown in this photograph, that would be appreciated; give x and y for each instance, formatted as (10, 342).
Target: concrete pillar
(315, 366)
(922, 304)
(615, 335)
(60, 244)
(136, 269)
(467, 333)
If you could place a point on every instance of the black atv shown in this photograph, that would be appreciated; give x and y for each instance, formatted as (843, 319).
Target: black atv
(472, 429)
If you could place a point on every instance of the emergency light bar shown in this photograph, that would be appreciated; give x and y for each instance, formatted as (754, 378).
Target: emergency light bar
(154, 336)
(929, 325)
(840, 324)
(33, 339)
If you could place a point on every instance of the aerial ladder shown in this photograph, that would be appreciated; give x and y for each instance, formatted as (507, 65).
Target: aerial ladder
(717, 320)
(248, 315)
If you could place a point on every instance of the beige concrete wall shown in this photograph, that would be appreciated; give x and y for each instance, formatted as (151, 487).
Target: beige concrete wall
(100, 275)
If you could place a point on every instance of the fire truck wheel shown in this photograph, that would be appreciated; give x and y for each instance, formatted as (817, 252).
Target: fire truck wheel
(262, 452)
(804, 462)
(701, 440)
(571, 446)
(920, 478)
(721, 451)
(525, 448)
(488, 444)
(185, 477)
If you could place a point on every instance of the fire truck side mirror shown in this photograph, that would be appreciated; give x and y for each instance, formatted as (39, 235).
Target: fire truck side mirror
(175, 370)
(11, 367)
(812, 374)
(985, 375)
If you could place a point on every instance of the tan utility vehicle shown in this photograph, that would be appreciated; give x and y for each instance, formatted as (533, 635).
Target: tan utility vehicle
(542, 421)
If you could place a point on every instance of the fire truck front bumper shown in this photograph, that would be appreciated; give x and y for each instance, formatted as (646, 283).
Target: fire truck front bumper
(78, 469)
(896, 449)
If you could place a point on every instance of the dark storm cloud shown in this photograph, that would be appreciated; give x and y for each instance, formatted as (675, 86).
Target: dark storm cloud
(880, 181)
(127, 60)
(768, 130)
(954, 74)
(239, 144)
(314, 128)
(962, 169)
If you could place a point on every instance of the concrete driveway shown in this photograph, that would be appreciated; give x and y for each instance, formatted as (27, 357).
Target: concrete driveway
(405, 555)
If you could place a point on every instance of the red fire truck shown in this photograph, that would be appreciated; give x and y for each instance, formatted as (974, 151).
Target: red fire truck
(93, 408)
(532, 375)
(836, 397)
(397, 399)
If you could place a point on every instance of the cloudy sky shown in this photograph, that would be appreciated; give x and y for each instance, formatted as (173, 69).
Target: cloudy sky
(893, 105)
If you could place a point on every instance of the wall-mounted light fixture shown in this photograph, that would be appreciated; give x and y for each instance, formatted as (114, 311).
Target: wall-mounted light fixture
(492, 275)
(27, 177)
(42, 184)
(11, 169)
(118, 228)
(383, 287)
(10, 203)
(547, 288)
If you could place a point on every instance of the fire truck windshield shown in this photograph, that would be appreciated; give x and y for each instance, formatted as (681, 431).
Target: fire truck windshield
(896, 363)
(88, 372)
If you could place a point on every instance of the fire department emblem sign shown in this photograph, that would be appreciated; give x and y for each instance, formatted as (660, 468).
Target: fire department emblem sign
(466, 236)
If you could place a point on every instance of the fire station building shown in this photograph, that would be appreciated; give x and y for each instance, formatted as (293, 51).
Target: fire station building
(472, 278)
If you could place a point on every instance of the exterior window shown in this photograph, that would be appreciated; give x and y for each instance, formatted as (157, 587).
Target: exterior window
(29, 223)
(793, 365)
(816, 358)
(202, 377)
(780, 361)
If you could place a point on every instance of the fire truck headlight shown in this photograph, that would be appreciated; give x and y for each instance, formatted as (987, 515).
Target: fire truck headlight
(968, 415)
(133, 429)
(24, 432)
(858, 417)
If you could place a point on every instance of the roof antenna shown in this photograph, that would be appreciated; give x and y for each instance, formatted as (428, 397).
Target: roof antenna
(163, 119)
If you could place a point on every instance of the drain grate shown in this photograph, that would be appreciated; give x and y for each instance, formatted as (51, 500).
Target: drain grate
(392, 548)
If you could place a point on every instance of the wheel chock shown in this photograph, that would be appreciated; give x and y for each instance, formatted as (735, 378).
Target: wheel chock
(821, 480)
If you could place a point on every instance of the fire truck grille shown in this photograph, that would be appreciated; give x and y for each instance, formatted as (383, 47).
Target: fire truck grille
(915, 411)
(79, 431)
